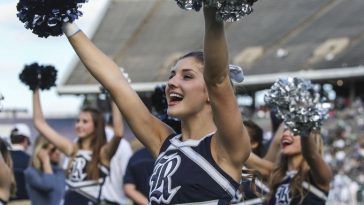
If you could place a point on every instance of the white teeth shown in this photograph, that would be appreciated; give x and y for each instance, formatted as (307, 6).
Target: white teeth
(286, 141)
(175, 95)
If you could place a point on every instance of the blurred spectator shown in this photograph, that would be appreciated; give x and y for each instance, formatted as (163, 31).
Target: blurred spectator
(20, 139)
(252, 187)
(7, 181)
(256, 137)
(343, 133)
(136, 179)
(45, 180)
(112, 190)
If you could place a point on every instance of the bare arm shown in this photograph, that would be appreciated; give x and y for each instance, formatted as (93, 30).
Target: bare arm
(275, 145)
(110, 148)
(135, 195)
(61, 142)
(5, 172)
(7, 180)
(153, 132)
(320, 171)
(264, 167)
(232, 141)
(4, 168)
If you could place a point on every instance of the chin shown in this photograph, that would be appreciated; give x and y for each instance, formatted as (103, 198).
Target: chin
(82, 136)
(172, 113)
(290, 153)
(286, 153)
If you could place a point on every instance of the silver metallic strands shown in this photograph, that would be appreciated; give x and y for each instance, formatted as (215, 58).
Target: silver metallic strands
(227, 10)
(190, 4)
(298, 103)
(232, 10)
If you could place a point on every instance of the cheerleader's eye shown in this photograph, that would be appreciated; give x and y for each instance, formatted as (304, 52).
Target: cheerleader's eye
(187, 77)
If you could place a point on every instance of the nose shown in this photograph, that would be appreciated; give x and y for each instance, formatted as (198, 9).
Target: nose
(287, 132)
(172, 82)
(77, 124)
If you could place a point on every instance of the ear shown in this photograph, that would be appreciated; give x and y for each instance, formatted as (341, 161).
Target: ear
(254, 145)
(207, 95)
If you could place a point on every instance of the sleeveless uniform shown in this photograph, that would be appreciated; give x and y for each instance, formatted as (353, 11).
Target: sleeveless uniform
(313, 195)
(248, 196)
(185, 173)
(82, 190)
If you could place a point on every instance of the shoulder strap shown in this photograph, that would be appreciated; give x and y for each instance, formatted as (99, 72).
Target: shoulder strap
(309, 187)
(206, 166)
(256, 201)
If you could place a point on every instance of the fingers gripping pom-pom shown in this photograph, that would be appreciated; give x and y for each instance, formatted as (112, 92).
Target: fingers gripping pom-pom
(232, 10)
(227, 10)
(45, 17)
(236, 73)
(298, 103)
(37, 76)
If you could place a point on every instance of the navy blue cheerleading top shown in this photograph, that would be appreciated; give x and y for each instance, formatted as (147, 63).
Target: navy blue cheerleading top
(185, 173)
(312, 194)
(82, 190)
(2, 202)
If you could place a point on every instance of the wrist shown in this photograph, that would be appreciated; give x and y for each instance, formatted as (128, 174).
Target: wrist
(70, 29)
(44, 160)
(305, 132)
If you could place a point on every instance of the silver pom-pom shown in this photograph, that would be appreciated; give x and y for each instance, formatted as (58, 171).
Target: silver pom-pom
(298, 103)
(190, 4)
(227, 10)
(231, 10)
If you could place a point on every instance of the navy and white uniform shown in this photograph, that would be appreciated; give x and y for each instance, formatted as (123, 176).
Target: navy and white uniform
(248, 196)
(80, 188)
(2, 202)
(185, 173)
(313, 194)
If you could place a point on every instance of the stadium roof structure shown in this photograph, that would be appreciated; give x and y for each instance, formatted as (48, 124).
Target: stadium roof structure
(318, 40)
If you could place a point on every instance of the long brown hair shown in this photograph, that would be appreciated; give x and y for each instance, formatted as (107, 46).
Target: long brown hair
(281, 168)
(97, 141)
(9, 162)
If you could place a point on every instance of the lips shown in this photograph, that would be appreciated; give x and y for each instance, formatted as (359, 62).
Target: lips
(286, 142)
(174, 98)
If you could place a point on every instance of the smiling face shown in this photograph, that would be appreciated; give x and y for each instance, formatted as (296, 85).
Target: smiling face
(84, 126)
(290, 144)
(186, 92)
